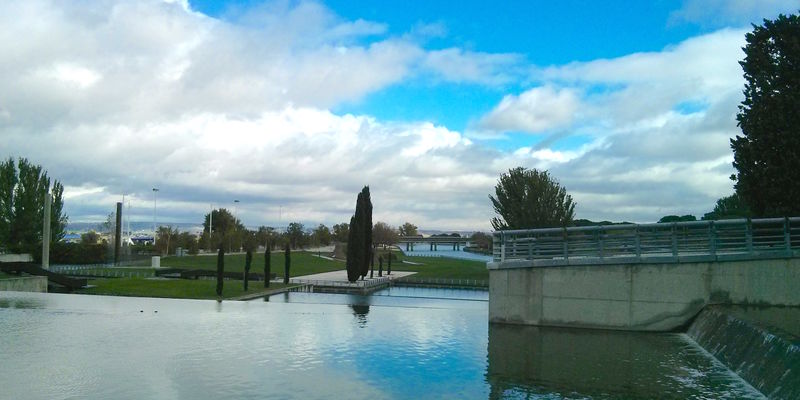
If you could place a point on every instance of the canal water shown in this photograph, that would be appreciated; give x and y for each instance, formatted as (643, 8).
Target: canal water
(403, 343)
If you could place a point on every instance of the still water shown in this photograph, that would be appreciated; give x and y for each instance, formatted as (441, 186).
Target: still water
(404, 343)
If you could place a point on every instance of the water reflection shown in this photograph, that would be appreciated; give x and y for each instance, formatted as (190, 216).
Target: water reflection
(569, 363)
(360, 311)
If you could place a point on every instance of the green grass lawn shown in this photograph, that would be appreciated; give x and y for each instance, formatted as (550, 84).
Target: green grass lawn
(302, 263)
(4, 275)
(442, 268)
(173, 288)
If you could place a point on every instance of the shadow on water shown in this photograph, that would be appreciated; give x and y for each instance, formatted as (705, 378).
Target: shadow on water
(528, 361)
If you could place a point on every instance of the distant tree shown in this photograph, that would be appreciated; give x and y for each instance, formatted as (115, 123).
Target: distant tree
(675, 218)
(287, 257)
(267, 265)
(359, 241)
(58, 219)
(408, 229)
(248, 260)
(481, 240)
(383, 234)
(187, 241)
(220, 270)
(341, 232)
(8, 181)
(321, 235)
(389, 264)
(250, 240)
(267, 235)
(296, 235)
(728, 207)
(224, 228)
(767, 154)
(90, 237)
(528, 198)
(166, 239)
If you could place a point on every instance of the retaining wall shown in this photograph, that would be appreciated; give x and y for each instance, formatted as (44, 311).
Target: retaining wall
(640, 297)
(24, 284)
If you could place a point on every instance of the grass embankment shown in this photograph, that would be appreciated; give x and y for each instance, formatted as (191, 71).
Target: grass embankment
(302, 263)
(173, 288)
(442, 268)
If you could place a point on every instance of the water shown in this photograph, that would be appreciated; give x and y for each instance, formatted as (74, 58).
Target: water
(404, 343)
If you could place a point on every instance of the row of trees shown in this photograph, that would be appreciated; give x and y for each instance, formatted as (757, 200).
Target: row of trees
(23, 187)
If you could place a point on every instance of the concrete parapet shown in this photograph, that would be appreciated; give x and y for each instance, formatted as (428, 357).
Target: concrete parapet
(16, 258)
(24, 284)
(644, 297)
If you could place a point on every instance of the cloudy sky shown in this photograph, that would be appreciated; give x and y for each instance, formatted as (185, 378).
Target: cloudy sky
(291, 107)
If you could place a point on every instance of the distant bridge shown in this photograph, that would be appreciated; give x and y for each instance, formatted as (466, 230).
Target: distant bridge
(433, 241)
(641, 277)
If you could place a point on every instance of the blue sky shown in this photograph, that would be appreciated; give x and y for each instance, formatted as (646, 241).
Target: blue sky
(292, 106)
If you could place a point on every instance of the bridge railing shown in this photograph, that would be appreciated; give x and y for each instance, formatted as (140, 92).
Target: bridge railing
(658, 242)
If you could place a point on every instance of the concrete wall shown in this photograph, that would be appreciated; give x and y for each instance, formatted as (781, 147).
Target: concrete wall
(16, 258)
(644, 297)
(24, 284)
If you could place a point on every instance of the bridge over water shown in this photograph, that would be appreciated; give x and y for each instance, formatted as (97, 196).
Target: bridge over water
(433, 241)
(642, 277)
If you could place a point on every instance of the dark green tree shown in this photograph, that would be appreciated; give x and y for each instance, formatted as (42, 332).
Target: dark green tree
(767, 153)
(321, 235)
(224, 226)
(341, 232)
(389, 263)
(220, 270)
(728, 207)
(367, 228)
(359, 241)
(8, 181)
(248, 260)
(408, 229)
(296, 235)
(675, 218)
(267, 265)
(287, 263)
(528, 198)
(58, 219)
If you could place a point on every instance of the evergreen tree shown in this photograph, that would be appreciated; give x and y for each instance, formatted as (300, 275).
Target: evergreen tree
(287, 256)
(267, 265)
(767, 154)
(528, 198)
(367, 229)
(8, 181)
(355, 242)
(220, 270)
(248, 260)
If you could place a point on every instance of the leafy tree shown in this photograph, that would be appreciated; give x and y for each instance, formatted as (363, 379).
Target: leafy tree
(250, 240)
(8, 181)
(341, 232)
(408, 229)
(287, 257)
(767, 154)
(188, 241)
(267, 235)
(321, 235)
(482, 240)
(728, 208)
(675, 218)
(248, 260)
(166, 239)
(267, 265)
(58, 219)
(220, 270)
(384, 234)
(296, 234)
(224, 228)
(90, 237)
(528, 198)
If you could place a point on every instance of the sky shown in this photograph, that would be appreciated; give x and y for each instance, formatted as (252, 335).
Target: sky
(291, 107)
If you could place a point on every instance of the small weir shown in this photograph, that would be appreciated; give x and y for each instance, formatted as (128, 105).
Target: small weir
(759, 344)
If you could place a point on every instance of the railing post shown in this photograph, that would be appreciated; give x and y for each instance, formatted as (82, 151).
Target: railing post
(566, 245)
(502, 246)
(674, 242)
(787, 240)
(601, 243)
(712, 238)
(638, 243)
(748, 228)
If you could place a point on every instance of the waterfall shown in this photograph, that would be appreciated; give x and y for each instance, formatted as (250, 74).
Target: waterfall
(764, 355)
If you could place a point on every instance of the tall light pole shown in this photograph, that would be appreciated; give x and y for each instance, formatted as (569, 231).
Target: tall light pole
(155, 200)
(210, 226)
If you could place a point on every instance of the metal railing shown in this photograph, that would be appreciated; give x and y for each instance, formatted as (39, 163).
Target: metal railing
(660, 242)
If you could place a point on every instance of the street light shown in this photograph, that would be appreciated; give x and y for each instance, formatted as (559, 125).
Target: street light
(155, 200)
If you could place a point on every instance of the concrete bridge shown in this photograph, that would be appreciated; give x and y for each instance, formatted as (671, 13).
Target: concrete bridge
(433, 241)
(649, 277)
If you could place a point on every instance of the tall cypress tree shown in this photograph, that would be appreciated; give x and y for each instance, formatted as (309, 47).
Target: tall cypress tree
(355, 241)
(248, 260)
(287, 256)
(267, 266)
(366, 207)
(220, 270)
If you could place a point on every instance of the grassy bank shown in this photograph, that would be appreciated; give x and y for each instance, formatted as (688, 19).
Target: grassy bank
(302, 263)
(443, 268)
(172, 288)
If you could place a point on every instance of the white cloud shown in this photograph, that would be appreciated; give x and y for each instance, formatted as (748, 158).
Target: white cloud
(457, 65)
(536, 110)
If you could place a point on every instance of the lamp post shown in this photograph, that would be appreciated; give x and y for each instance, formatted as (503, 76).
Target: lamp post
(155, 201)
(210, 226)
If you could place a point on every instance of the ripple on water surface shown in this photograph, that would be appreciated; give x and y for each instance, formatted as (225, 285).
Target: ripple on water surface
(406, 345)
